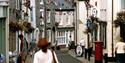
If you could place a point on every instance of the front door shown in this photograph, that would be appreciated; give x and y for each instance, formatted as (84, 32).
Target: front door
(2, 36)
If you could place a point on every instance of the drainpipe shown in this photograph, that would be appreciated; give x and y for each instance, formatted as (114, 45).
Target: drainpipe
(87, 9)
(112, 28)
(45, 27)
(76, 23)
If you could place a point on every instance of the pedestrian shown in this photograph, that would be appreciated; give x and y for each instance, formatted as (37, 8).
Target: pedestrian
(90, 50)
(44, 55)
(86, 50)
(120, 51)
(20, 58)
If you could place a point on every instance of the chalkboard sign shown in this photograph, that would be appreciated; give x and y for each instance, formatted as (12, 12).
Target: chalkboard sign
(79, 50)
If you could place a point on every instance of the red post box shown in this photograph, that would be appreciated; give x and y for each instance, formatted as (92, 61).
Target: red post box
(98, 52)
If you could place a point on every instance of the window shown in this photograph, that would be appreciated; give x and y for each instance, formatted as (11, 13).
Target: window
(57, 17)
(41, 2)
(48, 17)
(103, 33)
(31, 15)
(122, 4)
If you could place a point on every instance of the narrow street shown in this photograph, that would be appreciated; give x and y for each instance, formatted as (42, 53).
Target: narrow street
(76, 28)
(64, 57)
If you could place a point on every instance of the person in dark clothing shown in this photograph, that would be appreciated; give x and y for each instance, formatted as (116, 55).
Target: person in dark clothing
(120, 51)
(20, 59)
(88, 52)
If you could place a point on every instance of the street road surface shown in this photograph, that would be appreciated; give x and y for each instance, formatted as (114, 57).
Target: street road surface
(64, 57)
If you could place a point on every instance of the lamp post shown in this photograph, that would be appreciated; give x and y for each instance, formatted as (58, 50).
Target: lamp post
(112, 28)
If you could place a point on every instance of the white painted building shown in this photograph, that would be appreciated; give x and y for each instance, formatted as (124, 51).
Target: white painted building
(65, 30)
(64, 15)
(104, 13)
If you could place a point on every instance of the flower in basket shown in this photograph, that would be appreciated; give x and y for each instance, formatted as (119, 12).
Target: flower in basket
(13, 26)
(21, 26)
(28, 27)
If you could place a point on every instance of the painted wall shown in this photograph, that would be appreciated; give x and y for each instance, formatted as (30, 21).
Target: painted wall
(104, 9)
(116, 6)
(81, 21)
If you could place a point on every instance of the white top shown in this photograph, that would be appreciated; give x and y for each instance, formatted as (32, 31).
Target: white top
(120, 47)
(41, 57)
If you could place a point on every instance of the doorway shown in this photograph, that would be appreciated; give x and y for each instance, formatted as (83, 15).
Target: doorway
(122, 31)
(2, 36)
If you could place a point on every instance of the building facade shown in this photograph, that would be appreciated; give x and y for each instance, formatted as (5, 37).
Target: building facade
(4, 34)
(64, 16)
(106, 13)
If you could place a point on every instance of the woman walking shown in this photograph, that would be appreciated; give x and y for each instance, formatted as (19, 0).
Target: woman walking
(120, 51)
(44, 55)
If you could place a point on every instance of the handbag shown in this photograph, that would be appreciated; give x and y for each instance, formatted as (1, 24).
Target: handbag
(54, 60)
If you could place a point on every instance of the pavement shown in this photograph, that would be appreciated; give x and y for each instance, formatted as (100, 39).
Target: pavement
(82, 59)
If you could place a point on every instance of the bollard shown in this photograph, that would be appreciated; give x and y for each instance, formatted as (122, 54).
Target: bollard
(98, 52)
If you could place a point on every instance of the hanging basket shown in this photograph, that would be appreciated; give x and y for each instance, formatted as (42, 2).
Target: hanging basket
(29, 30)
(28, 27)
(21, 25)
(120, 19)
(13, 26)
